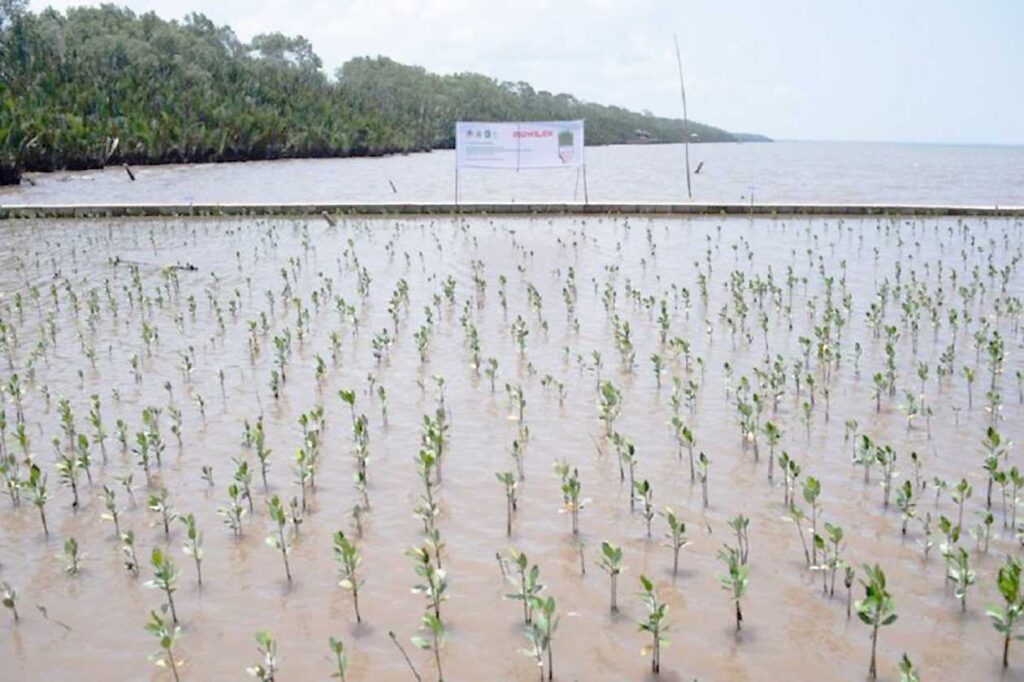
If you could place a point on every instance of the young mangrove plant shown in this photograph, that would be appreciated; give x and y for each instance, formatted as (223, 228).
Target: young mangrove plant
(702, 472)
(685, 438)
(432, 624)
(611, 563)
(642, 491)
(1008, 618)
(877, 609)
(277, 539)
(434, 586)
(128, 557)
(960, 574)
(508, 480)
(675, 537)
(540, 632)
(347, 556)
(9, 598)
(735, 581)
(110, 503)
(741, 525)
(812, 490)
(234, 511)
(772, 433)
(572, 503)
(160, 503)
(524, 580)
(193, 546)
(960, 495)
(655, 623)
(167, 634)
(74, 558)
(906, 503)
(37, 485)
(266, 669)
(340, 658)
(165, 578)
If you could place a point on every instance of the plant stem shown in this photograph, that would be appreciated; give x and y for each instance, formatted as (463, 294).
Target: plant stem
(391, 634)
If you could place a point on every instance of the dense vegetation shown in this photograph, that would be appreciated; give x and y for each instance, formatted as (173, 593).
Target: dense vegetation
(96, 86)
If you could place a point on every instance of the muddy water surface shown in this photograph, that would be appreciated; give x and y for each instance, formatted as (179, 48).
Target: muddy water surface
(94, 623)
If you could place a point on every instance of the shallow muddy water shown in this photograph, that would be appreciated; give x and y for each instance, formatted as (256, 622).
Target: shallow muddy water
(93, 624)
(806, 172)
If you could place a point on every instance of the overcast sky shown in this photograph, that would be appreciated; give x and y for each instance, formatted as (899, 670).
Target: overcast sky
(899, 70)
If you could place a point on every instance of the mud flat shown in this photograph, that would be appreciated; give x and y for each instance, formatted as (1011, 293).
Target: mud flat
(752, 318)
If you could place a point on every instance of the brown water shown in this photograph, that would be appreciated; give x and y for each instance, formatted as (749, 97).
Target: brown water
(790, 630)
(808, 172)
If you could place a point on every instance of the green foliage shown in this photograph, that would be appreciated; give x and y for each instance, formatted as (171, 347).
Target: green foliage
(877, 609)
(655, 623)
(1007, 619)
(347, 556)
(267, 668)
(118, 87)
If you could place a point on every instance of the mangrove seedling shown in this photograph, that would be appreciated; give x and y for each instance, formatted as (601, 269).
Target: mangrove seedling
(435, 628)
(340, 658)
(9, 598)
(960, 573)
(277, 539)
(525, 581)
(540, 632)
(508, 480)
(194, 544)
(1007, 619)
(772, 434)
(130, 560)
(267, 668)
(797, 516)
(960, 495)
(642, 490)
(572, 503)
(434, 586)
(876, 610)
(703, 462)
(907, 671)
(611, 563)
(675, 537)
(37, 485)
(165, 578)
(906, 503)
(74, 559)
(684, 438)
(234, 511)
(160, 503)
(110, 502)
(655, 624)
(167, 634)
(347, 556)
(735, 581)
(740, 526)
(67, 472)
(812, 490)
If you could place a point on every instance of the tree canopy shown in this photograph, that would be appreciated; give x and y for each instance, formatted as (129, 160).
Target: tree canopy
(96, 86)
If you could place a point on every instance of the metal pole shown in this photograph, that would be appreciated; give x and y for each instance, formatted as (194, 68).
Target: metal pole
(586, 198)
(686, 124)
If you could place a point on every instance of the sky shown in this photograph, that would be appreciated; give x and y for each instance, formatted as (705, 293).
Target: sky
(943, 71)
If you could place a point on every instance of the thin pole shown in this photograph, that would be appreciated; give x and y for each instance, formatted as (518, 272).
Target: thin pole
(586, 198)
(686, 124)
(456, 183)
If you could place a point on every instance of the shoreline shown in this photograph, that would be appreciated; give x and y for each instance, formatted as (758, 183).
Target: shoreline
(156, 210)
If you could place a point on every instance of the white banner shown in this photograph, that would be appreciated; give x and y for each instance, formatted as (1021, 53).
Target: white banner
(533, 144)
